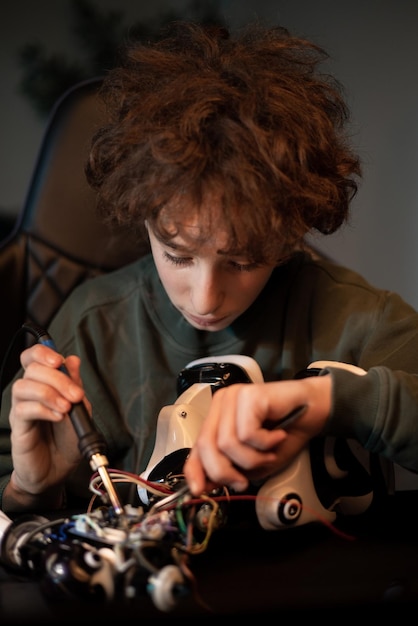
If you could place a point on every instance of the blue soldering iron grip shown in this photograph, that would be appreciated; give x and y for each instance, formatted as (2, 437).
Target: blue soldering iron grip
(47, 341)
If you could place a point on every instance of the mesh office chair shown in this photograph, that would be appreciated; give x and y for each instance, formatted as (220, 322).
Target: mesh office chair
(58, 240)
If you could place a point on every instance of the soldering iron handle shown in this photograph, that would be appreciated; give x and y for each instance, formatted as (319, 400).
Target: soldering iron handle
(90, 441)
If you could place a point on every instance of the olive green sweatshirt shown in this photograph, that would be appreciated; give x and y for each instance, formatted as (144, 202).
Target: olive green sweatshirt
(133, 343)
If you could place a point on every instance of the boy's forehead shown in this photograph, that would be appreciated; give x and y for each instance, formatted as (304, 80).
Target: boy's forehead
(191, 231)
(186, 221)
(189, 226)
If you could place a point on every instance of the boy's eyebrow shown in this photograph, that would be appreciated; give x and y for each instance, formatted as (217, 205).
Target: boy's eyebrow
(181, 248)
(176, 246)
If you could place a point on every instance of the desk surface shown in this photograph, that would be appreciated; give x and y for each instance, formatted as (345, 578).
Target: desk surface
(249, 571)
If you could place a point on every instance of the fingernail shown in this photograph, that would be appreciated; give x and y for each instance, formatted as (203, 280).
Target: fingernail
(239, 486)
(193, 487)
(74, 392)
(63, 405)
(54, 359)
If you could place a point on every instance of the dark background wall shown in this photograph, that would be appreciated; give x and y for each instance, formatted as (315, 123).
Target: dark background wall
(374, 52)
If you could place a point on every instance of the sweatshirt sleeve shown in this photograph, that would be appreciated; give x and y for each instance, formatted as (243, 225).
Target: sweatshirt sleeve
(379, 410)
(6, 465)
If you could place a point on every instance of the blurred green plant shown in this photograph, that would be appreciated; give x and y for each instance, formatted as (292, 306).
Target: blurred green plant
(99, 36)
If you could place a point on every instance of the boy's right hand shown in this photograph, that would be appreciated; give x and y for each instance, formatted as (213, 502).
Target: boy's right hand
(43, 440)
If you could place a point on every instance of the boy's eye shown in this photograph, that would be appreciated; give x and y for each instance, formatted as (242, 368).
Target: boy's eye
(176, 260)
(233, 265)
(244, 267)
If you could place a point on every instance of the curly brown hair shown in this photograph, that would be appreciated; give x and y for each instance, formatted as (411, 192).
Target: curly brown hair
(246, 118)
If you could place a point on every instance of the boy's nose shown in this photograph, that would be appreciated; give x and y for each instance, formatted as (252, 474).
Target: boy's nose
(207, 293)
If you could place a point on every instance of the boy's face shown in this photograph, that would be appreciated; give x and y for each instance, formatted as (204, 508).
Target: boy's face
(209, 287)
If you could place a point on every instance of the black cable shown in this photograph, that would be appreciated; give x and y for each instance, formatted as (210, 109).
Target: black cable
(9, 351)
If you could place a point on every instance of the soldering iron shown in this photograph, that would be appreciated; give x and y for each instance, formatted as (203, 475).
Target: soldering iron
(90, 442)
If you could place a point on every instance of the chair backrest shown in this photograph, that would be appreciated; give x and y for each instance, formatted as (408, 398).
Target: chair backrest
(58, 241)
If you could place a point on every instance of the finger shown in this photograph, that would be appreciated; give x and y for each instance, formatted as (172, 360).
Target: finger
(41, 354)
(239, 404)
(205, 471)
(72, 367)
(263, 414)
(34, 396)
(195, 474)
(25, 412)
(55, 379)
(206, 461)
